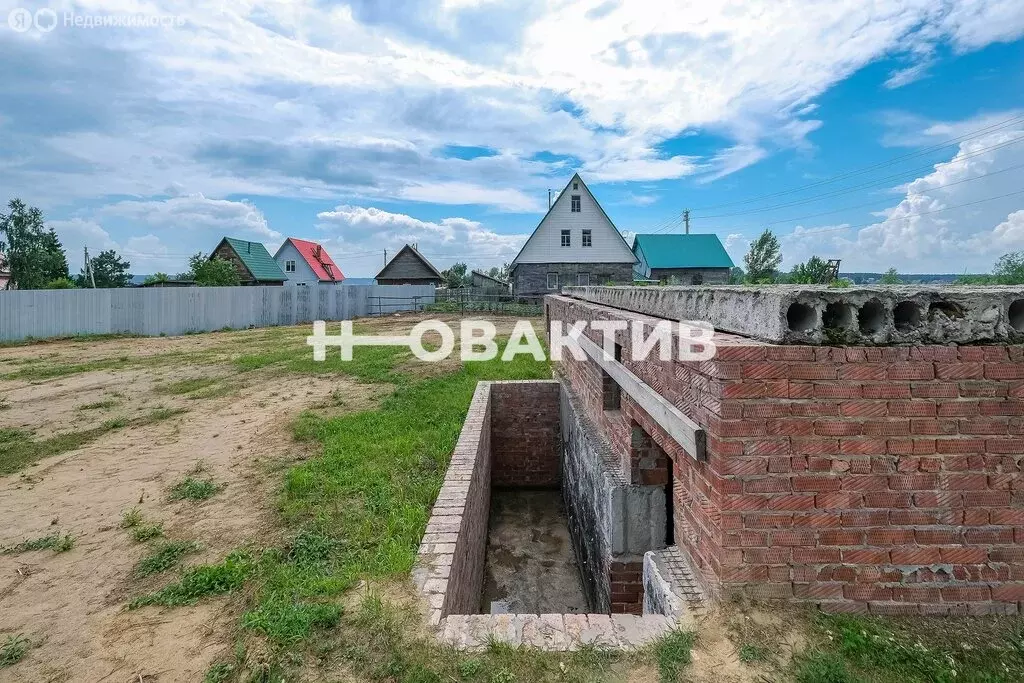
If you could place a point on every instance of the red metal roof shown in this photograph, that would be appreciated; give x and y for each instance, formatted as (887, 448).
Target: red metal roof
(319, 260)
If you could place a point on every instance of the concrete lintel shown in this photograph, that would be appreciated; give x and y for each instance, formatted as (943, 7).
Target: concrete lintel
(685, 431)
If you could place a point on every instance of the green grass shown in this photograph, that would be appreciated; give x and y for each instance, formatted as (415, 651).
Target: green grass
(750, 652)
(4, 403)
(185, 386)
(131, 518)
(193, 488)
(202, 581)
(673, 654)
(13, 649)
(146, 532)
(57, 542)
(165, 556)
(98, 405)
(855, 649)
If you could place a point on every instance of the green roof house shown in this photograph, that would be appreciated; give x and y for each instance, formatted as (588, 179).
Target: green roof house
(252, 262)
(682, 259)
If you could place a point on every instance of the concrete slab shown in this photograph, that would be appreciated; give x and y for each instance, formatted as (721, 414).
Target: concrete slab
(798, 314)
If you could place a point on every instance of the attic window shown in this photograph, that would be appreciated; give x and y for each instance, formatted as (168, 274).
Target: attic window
(588, 239)
(566, 239)
(575, 203)
(289, 266)
(575, 186)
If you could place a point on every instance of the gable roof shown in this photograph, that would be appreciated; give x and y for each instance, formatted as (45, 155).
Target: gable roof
(575, 178)
(408, 249)
(682, 251)
(256, 259)
(317, 258)
(485, 275)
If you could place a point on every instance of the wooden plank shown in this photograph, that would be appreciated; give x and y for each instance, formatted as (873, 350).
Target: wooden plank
(685, 431)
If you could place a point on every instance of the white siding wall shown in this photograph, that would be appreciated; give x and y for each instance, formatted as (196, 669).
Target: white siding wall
(544, 246)
(303, 273)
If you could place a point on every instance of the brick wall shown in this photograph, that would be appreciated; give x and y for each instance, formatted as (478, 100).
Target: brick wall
(860, 479)
(526, 450)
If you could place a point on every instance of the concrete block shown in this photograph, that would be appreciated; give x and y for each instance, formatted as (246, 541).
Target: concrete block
(787, 314)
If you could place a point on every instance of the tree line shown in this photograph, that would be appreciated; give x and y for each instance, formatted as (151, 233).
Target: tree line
(36, 259)
(764, 257)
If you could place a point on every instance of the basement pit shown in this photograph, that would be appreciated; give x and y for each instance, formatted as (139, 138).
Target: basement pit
(536, 538)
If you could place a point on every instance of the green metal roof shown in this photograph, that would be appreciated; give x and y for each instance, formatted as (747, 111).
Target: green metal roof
(682, 251)
(257, 259)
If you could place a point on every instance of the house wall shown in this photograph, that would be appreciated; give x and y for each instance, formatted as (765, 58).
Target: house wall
(544, 245)
(224, 251)
(684, 276)
(860, 479)
(303, 273)
(530, 279)
(407, 267)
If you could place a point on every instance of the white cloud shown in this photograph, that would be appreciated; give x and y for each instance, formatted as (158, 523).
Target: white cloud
(469, 193)
(348, 232)
(907, 75)
(195, 212)
(942, 224)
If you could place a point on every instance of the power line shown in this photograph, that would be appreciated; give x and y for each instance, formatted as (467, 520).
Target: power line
(866, 169)
(901, 218)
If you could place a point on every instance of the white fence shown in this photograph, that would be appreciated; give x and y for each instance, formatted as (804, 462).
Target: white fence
(177, 310)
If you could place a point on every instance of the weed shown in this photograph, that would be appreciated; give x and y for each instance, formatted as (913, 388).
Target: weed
(131, 518)
(185, 386)
(98, 405)
(115, 423)
(672, 652)
(470, 668)
(822, 667)
(164, 556)
(219, 673)
(13, 649)
(157, 415)
(4, 403)
(57, 542)
(147, 532)
(750, 652)
(191, 488)
(201, 581)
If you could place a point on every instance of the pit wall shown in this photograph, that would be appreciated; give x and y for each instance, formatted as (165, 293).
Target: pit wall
(525, 448)
(861, 479)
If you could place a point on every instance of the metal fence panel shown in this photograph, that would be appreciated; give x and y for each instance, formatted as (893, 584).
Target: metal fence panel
(176, 310)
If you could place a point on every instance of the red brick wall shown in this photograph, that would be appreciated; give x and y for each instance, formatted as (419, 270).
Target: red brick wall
(861, 479)
(627, 583)
(525, 426)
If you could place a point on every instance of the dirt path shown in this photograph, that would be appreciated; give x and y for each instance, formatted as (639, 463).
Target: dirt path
(71, 605)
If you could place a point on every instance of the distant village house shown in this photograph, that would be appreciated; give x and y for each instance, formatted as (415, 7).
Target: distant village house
(409, 267)
(307, 263)
(487, 283)
(682, 259)
(575, 243)
(251, 260)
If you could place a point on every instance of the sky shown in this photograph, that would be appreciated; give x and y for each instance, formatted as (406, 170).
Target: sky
(884, 133)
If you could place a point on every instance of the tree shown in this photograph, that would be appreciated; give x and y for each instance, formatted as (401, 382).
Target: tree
(60, 283)
(34, 254)
(890, 277)
(763, 259)
(455, 276)
(814, 272)
(156, 277)
(1009, 269)
(500, 273)
(108, 269)
(214, 272)
(737, 276)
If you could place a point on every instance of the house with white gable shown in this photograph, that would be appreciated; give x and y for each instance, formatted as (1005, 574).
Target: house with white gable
(574, 244)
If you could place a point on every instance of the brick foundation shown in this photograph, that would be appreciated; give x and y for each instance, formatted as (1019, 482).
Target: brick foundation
(524, 431)
(879, 479)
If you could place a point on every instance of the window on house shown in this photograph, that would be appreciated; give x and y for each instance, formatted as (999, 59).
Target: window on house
(289, 266)
(588, 239)
(583, 279)
(566, 240)
(575, 203)
(575, 186)
(552, 280)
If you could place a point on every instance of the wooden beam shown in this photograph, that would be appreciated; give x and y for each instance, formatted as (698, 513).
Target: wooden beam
(685, 431)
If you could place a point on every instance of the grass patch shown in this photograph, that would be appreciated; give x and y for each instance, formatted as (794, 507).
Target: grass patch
(165, 556)
(13, 649)
(673, 654)
(193, 488)
(199, 582)
(57, 542)
(4, 403)
(369, 363)
(147, 532)
(750, 652)
(131, 518)
(156, 415)
(185, 386)
(98, 405)
(853, 648)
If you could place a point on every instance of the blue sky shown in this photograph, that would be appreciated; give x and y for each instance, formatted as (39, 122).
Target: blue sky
(445, 122)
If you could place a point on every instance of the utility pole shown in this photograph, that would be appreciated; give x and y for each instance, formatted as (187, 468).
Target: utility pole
(686, 220)
(88, 267)
(549, 198)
